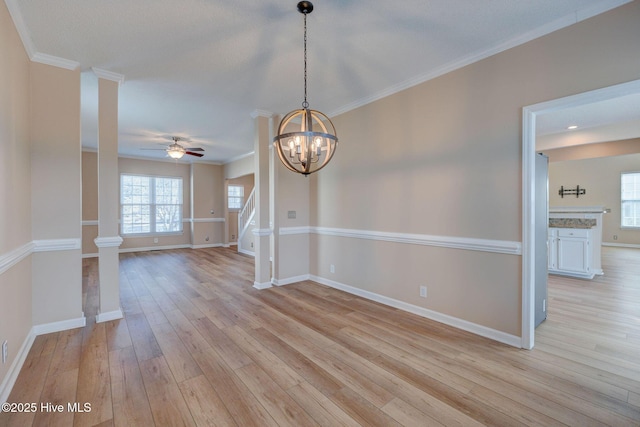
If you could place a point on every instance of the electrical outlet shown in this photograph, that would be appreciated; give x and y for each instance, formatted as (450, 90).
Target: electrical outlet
(615, 237)
(206, 239)
(155, 240)
(233, 237)
(423, 291)
(5, 351)
(251, 244)
(332, 268)
(544, 305)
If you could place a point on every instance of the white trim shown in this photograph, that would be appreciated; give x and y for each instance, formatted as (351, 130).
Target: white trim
(290, 280)
(20, 25)
(478, 56)
(265, 285)
(261, 232)
(529, 114)
(91, 222)
(622, 245)
(63, 325)
(15, 256)
(108, 242)
(109, 315)
(261, 113)
(12, 374)
(466, 243)
(194, 220)
(154, 248)
(290, 231)
(108, 75)
(94, 255)
(246, 252)
(55, 61)
(14, 370)
(56, 245)
(208, 245)
(474, 328)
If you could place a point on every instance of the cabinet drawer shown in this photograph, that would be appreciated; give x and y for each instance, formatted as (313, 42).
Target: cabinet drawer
(573, 232)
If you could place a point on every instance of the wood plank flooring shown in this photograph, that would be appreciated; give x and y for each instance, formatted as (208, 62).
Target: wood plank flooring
(199, 346)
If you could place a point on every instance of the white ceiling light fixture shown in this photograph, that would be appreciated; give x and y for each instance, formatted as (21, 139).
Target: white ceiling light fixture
(175, 150)
(306, 139)
(572, 127)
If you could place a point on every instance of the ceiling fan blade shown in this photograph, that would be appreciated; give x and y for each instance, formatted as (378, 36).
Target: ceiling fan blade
(196, 149)
(194, 154)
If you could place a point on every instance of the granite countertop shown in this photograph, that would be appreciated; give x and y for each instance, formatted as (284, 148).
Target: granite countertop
(572, 223)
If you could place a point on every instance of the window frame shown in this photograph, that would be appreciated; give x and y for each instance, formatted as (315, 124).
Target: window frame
(153, 203)
(634, 201)
(234, 209)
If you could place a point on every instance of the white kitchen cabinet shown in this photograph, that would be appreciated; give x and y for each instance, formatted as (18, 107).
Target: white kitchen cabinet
(570, 252)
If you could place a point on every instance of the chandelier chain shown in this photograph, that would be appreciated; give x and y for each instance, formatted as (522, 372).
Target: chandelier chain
(305, 104)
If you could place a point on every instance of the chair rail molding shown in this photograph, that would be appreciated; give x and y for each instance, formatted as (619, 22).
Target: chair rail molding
(108, 242)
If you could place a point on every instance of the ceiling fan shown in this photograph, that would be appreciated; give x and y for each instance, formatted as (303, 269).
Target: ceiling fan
(176, 151)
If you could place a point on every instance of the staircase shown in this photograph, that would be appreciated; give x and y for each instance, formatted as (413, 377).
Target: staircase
(245, 218)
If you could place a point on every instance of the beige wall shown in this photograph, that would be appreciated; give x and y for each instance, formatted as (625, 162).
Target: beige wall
(208, 195)
(601, 179)
(89, 202)
(56, 203)
(592, 151)
(240, 167)
(15, 192)
(444, 159)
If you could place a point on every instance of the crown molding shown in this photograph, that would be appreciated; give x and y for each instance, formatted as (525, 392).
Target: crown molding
(108, 75)
(261, 113)
(21, 27)
(240, 157)
(558, 24)
(55, 61)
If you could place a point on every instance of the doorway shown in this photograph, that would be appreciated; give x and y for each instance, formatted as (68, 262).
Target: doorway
(529, 218)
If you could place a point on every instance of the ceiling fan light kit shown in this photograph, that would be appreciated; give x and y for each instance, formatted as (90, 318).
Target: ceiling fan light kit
(177, 151)
(311, 145)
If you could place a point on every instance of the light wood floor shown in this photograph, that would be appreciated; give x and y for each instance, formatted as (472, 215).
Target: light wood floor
(199, 346)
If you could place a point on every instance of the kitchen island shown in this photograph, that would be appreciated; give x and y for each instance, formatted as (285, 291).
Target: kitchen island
(575, 240)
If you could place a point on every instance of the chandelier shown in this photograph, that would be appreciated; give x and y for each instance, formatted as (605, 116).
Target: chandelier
(306, 139)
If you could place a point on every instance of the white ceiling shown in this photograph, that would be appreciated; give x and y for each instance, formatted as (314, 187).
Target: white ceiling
(198, 69)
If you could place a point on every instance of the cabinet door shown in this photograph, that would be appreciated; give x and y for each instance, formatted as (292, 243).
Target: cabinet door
(573, 255)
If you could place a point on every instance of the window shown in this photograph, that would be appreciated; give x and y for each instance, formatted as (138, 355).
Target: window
(150, 204)
(236, 197)
(630, 198)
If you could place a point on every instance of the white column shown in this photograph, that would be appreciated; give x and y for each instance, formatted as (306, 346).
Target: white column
(108, 240)
(262, 232)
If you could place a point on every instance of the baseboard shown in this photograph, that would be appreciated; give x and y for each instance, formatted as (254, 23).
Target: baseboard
(47, 328)
(109, 315)
(290, 280)
(14, 370)
(210, 245)
(621, 245)
(474, 328)
(246, 252)
(264, 285)
(12, 374)
(154, 248)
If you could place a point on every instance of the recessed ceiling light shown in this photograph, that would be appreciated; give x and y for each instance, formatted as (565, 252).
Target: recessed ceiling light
(572, 127)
